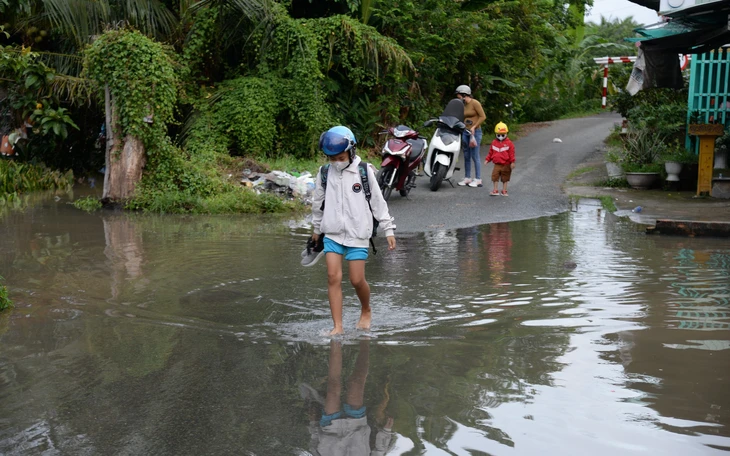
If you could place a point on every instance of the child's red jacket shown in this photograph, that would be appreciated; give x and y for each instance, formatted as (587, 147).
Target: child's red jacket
(501, 152)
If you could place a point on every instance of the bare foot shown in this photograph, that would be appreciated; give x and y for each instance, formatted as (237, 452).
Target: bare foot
(365, 318)
(337, 331)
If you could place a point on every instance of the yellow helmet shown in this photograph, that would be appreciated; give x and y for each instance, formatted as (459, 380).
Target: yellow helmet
(501, 128)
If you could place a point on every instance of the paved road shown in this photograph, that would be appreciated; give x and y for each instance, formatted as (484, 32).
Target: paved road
(535, 188)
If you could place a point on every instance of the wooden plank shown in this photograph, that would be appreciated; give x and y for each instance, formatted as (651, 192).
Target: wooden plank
(706, 129)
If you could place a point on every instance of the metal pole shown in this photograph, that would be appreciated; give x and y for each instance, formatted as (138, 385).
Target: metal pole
(605, 85)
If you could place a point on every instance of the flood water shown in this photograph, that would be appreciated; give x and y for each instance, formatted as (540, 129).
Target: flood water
(573, 334)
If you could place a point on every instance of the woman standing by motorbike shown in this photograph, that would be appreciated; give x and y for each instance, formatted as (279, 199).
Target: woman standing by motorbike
(472, 136)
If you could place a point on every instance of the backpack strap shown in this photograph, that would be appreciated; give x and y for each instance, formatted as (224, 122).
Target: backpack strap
(366, 188)
(323, 171)
(365, 183)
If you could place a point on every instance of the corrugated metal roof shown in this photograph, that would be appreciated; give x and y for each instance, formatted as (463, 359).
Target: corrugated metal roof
(689, 31)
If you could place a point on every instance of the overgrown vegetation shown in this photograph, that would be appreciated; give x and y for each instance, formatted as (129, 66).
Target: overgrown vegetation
(613, 182)
(656, 127)
(5, 302)
(88, 204)
(261, 80)
(608, 203)
(642, 149)
(18, 177)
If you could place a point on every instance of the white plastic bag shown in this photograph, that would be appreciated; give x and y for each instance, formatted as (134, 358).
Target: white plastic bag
(303, 185)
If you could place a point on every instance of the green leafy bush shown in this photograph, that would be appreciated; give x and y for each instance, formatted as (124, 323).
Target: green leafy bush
(16, 177)
(642, 148)
(614, 154)
(140, 74)
(245, 110)
(677, 153)
(52, 120)
(5, 302)
(88, 204)
(30, 95)
(722, 143)
(661, 110)
(642, 167)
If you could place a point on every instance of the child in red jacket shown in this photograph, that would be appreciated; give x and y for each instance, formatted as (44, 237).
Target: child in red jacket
(502, 153)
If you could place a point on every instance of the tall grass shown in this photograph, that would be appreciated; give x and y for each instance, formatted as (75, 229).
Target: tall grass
(232, 200)
(17, 177)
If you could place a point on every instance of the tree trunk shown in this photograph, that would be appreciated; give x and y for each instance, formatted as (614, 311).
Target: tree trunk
(124, 160)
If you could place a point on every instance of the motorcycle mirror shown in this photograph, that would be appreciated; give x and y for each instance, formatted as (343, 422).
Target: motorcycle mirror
(428, 123)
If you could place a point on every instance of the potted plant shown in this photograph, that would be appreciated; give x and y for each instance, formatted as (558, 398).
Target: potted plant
(640, 160)
(722, 145)
(642, 176)
(675, 156)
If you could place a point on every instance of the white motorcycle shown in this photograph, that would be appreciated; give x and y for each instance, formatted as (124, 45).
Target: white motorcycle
(445, 146)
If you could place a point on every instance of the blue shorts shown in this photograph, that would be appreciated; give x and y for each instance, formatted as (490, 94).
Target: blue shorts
(326, 420)
(351, 253)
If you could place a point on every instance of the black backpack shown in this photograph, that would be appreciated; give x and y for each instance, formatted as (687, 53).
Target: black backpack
(324, 170)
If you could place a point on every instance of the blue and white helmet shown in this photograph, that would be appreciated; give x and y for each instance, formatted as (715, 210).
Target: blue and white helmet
(337, 140)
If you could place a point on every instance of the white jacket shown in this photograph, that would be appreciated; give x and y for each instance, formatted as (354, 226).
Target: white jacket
(346, 218)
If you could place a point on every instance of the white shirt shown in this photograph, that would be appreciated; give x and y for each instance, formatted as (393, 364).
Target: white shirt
(346, 218)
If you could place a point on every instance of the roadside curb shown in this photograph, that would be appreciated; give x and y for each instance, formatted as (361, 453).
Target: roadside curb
(690, 228)
(658, 211)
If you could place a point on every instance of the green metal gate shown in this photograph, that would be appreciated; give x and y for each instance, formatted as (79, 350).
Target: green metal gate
(709, 84)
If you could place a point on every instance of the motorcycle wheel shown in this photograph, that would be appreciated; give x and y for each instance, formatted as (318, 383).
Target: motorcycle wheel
(438, 176)
(383, 180)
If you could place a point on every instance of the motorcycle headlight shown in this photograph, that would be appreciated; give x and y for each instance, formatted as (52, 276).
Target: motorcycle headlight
(396, 153)
(400, 133)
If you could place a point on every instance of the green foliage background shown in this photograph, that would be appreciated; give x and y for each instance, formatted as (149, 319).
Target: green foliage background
(262, 79)
(5, 302)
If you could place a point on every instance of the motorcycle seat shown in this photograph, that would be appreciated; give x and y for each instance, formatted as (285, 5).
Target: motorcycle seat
(417, 146)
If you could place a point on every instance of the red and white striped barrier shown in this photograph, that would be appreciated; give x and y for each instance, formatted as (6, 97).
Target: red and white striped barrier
(606, 61)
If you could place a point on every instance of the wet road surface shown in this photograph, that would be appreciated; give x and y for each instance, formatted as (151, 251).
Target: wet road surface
(535, 187)
(568, 335)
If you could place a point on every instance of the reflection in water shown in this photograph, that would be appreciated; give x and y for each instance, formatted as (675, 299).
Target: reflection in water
(124, 251)
(704, 306)
(341, 427)
(177, 335)
(497, 239)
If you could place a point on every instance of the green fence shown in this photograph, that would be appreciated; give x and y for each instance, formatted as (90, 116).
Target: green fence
(709, 84)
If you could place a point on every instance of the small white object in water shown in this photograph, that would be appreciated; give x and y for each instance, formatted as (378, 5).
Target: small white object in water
(557, 140)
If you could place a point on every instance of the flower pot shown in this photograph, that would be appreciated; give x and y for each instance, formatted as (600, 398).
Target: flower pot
(642, 181)
(720, 158)
(673, 169)
(614, 170)
(720, 187)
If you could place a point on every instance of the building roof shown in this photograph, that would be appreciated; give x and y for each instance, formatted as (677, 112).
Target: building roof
(691, 30)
